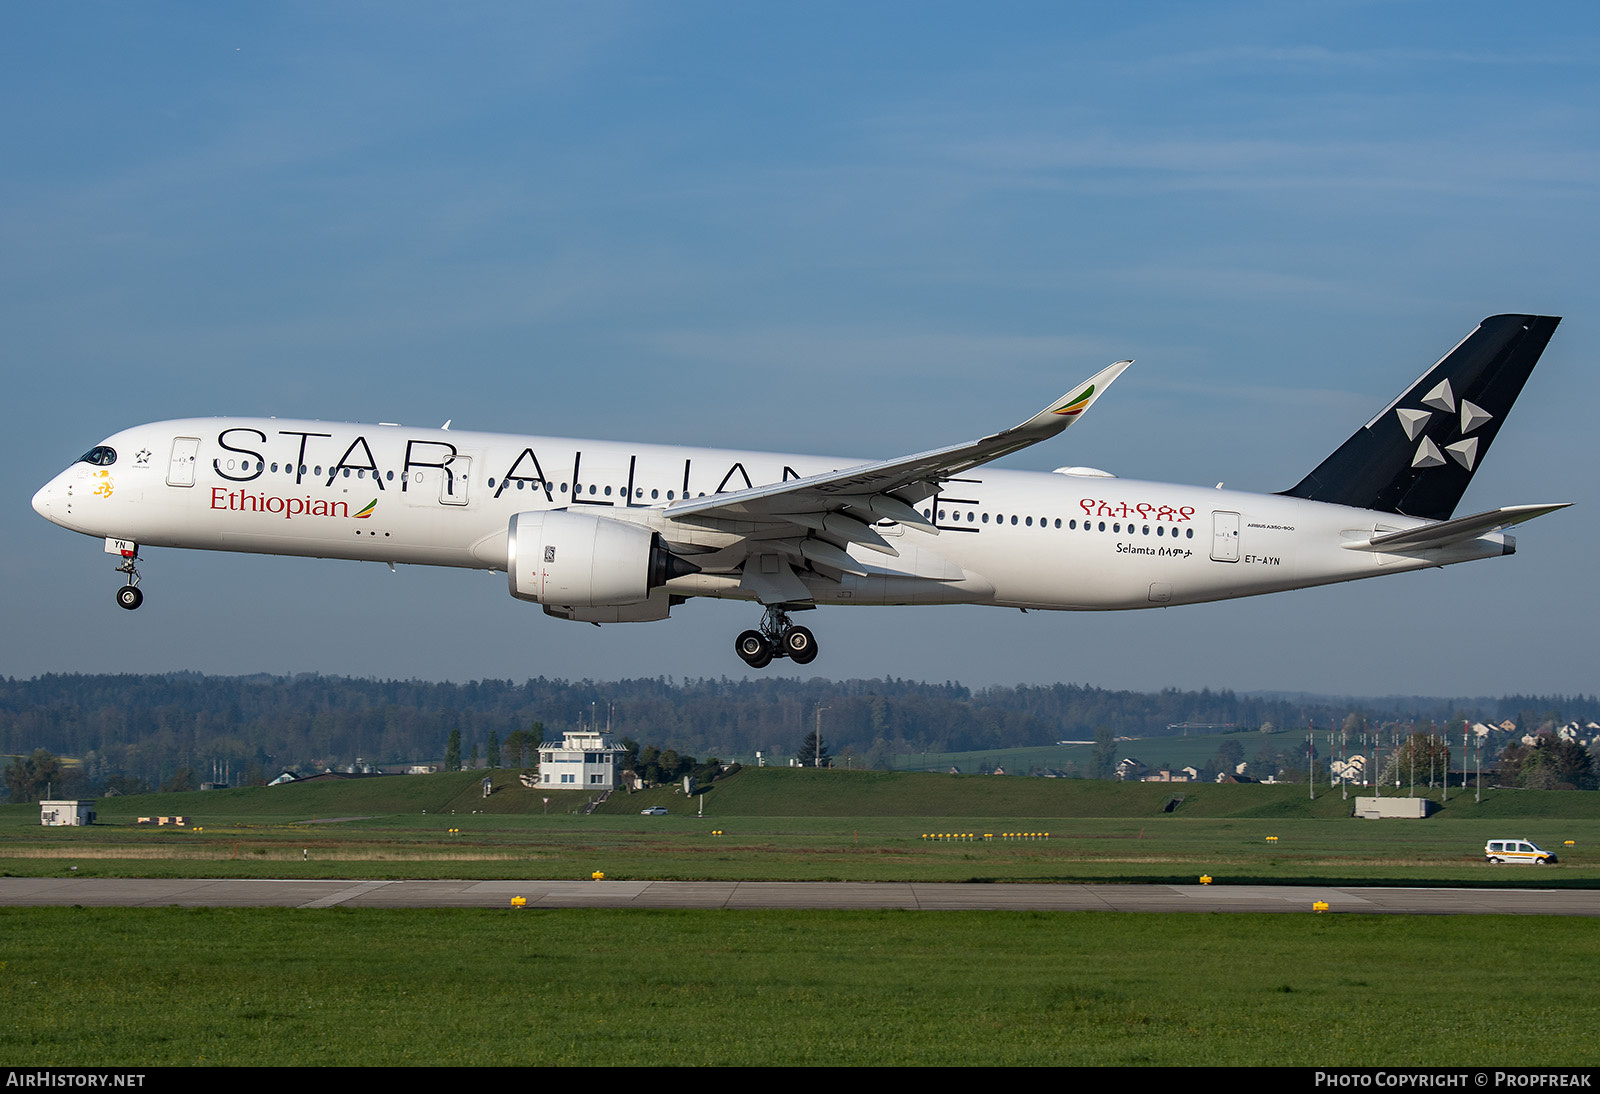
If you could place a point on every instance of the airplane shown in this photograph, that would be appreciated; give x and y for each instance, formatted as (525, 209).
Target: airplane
(612, 532)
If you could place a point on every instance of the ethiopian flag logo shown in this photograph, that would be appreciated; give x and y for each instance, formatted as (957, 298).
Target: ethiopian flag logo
(367, 510)
(1075, 405)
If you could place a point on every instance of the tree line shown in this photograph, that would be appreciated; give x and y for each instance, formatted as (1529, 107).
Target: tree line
(132, 732)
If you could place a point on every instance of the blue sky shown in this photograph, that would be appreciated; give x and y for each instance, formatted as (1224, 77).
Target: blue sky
(867, 229)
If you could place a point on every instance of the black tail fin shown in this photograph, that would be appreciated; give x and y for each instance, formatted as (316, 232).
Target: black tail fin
(1418, 455)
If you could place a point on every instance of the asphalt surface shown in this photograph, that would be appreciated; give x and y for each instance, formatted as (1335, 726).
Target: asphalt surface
(297, 893)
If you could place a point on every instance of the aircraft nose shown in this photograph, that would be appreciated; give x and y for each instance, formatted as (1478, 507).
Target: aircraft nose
(41, 501)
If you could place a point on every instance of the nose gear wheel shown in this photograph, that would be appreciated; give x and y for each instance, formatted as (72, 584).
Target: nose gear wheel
(130, 596)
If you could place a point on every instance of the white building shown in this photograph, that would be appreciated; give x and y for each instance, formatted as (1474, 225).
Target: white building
(54, 814)
(583, 760)
(1351, 770)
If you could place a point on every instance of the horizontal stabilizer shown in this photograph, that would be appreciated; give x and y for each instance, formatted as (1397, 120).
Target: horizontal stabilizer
(1455, 531)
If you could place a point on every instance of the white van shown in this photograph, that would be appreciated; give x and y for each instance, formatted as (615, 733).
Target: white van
(1516, 850)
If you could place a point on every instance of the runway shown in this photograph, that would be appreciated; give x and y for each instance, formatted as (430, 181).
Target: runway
(913, 896)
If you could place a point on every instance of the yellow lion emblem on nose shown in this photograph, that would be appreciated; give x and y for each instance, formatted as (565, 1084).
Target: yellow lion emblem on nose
(103, 488)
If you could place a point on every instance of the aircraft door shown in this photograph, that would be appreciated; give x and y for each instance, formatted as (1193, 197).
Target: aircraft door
(454, 480)
(180, 470)
(1224, 537)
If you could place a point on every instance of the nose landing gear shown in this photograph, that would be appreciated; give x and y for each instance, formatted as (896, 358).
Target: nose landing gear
(130, 596)
(777, 638)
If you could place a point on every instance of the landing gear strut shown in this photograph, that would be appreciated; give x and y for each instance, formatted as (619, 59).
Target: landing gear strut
(129, 595)
(776, 638)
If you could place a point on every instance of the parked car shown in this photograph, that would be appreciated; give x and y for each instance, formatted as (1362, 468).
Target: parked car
(1516, 850)
(654, 811)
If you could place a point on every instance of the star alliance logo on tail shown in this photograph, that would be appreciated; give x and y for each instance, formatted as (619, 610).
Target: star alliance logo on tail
(1414, 422)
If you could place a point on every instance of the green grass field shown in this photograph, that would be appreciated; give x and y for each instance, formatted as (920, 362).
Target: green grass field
(271, 986)
(352, 986)
(785, 824)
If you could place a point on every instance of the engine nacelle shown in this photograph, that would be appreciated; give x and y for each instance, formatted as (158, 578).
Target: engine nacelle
(574, 560)
(658, 606)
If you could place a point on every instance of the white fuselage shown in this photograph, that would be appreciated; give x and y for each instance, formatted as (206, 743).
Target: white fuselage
(393, 494)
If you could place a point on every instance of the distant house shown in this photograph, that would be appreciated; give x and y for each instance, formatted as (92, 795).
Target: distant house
(582, 760)
(1130, 768)
(1351, 770)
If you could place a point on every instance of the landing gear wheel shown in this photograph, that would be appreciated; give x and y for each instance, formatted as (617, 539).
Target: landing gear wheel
(129, 596)
(753, 649)
(777, 638)
(800, 644)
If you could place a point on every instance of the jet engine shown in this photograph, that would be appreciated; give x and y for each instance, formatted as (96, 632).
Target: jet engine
(572, 560)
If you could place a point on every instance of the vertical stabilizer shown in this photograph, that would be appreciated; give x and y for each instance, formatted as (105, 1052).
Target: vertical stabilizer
(1418, 455)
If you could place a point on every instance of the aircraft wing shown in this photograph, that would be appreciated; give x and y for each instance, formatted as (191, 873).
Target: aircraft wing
(1447, 532)
(916, 475)
(822, 514)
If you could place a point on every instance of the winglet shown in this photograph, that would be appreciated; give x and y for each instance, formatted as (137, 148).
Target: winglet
(1070, 407)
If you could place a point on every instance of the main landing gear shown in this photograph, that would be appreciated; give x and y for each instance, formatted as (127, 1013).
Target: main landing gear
(776, 638)
(129, 595)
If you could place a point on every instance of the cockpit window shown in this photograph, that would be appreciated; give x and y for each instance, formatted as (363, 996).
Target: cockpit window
(100, 455)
